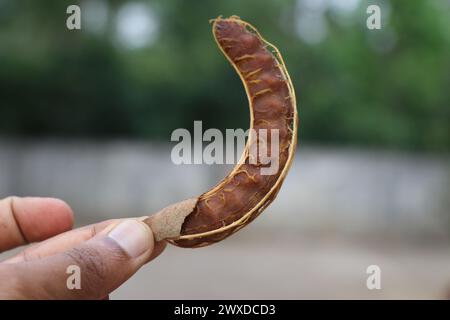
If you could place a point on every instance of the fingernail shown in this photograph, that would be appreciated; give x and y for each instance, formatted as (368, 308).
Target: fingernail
(132, 236)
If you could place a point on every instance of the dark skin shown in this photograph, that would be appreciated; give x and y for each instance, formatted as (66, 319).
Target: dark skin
(107, 253)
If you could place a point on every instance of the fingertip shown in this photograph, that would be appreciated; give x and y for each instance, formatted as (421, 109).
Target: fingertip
(41, 218)
(58, 210)
(63, 211)
(134, 237)
(158, 248)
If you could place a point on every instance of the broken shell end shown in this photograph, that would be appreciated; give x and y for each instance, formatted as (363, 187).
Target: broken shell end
(167, 223)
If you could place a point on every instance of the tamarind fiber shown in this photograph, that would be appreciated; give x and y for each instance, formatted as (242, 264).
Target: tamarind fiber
(244, 193)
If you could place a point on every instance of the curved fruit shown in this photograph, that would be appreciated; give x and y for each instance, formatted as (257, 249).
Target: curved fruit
(242, 195)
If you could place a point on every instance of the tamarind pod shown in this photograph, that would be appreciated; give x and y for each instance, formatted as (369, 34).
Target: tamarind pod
(245, 192)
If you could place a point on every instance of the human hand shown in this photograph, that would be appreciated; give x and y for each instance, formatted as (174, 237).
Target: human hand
(107, 253)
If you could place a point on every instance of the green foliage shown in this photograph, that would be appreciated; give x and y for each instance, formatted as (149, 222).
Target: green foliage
(387, 87)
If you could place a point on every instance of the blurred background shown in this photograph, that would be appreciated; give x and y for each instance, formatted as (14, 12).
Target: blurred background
(86, 115)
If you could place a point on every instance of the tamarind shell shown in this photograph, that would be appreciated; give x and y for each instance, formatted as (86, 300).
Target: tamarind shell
(244, 193)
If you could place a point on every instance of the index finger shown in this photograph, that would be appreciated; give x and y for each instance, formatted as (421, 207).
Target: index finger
(25, 220)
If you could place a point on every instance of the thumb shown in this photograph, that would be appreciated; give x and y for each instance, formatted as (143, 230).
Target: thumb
(91, 270)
